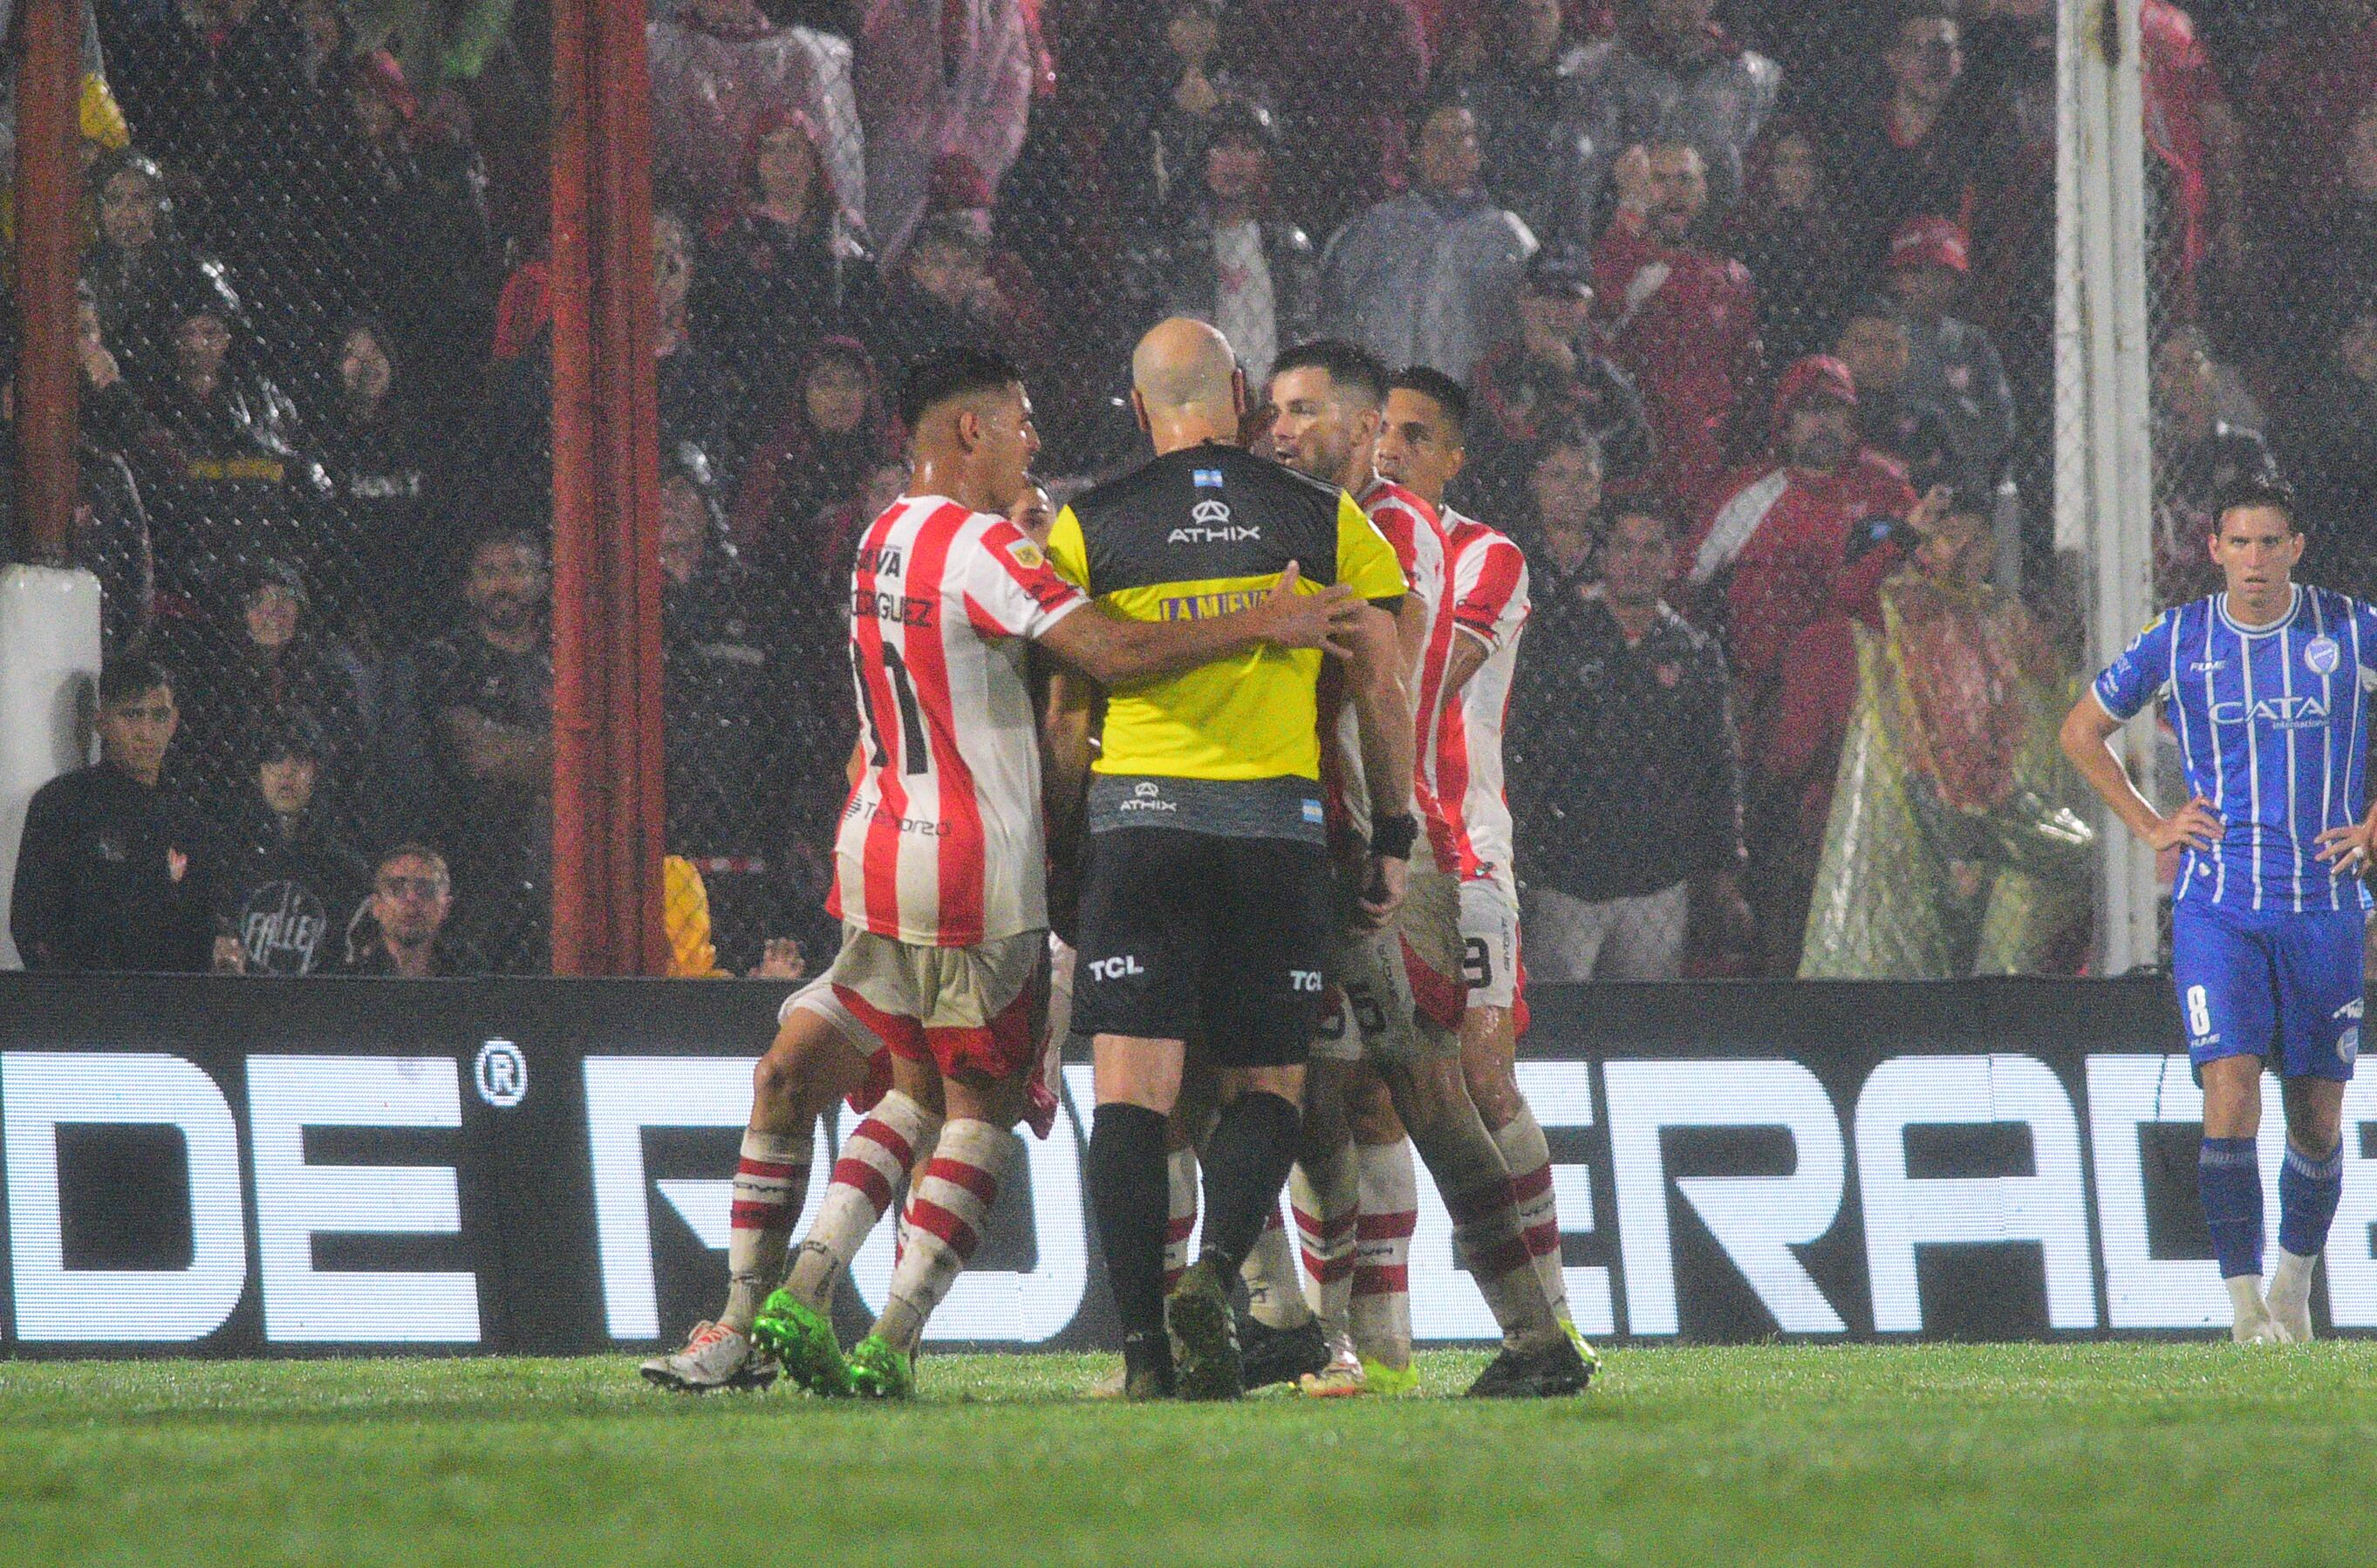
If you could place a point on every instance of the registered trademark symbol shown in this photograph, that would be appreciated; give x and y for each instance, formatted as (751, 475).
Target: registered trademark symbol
(501, 1074)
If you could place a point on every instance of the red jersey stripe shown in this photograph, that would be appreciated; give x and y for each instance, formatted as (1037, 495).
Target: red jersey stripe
(881, 881)
(959, 847)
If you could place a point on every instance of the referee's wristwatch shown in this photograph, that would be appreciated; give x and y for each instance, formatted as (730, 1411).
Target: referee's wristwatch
(1392, 837)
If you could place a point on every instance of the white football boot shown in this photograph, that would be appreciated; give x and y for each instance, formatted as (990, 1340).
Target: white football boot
(714, 1357)
(2289, 1296)
(1343, 1378)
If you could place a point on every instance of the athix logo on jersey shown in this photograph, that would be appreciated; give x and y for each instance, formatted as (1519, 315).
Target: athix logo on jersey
(1148, 797)
(1213, 527)
(1209, 478)
(2321, 656)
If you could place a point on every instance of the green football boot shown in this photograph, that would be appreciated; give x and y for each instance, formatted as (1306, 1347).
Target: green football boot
(879, 1372)
(801, 1338)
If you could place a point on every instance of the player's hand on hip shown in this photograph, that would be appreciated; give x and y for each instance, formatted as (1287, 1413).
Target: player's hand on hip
(1309, 620)
(1382, 891)
(2347, 849)
(2191, 826)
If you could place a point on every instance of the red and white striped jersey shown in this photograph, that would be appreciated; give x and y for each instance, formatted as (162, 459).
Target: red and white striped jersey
(1462, 765)
(1413, 528)
(941, 843)
(1410, 524)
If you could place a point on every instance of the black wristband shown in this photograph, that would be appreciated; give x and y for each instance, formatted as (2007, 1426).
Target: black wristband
(1394, 836)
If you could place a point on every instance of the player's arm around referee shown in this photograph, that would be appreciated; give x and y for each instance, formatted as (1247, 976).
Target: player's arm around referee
(1206, 886)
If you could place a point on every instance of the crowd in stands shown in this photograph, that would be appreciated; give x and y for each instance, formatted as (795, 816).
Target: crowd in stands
(1755, 296)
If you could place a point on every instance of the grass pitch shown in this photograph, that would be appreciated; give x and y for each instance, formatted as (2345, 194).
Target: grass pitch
(2098, 1453)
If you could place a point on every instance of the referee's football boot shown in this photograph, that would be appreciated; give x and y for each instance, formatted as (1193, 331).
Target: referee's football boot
(878, 1371)
(1204, 1334)
(801, 1339)
(1550, 1371)
(714, 1357)
(1147, 1372)
(1270, 1355)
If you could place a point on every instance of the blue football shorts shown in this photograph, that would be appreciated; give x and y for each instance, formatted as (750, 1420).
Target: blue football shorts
(2269, 984)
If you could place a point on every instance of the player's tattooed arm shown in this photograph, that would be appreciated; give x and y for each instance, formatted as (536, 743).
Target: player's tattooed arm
(2088, 732)
(1115, 651)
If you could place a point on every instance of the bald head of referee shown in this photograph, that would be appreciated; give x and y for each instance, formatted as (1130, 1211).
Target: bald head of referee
(1186, 386)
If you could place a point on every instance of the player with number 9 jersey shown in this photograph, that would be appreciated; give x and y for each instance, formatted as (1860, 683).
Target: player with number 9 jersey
(1461, 769)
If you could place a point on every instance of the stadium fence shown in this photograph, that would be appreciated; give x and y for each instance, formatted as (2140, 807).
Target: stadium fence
(430, 326)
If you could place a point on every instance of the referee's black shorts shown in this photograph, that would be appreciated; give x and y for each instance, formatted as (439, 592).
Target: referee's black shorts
(1188, 935)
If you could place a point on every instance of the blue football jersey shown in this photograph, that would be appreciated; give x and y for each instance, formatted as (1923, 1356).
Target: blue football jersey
(2273, 726)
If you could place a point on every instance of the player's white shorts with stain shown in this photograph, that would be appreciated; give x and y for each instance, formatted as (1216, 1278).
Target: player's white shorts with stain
(1372, 1012)
(958, 1008)
(1461, 943)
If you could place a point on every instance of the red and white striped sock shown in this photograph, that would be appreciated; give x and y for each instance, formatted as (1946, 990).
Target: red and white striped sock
(1180, 1180)
(1274, 1294)
(946, 1215)
(1529, 1157)
(770, 1180)
(1387, 1187)
(875, 1160)
(1325, 1200)
(1485, 1237)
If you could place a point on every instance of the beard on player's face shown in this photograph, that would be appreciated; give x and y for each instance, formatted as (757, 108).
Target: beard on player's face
(1320, 450)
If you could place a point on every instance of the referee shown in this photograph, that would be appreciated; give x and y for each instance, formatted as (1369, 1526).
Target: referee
(1207, 908)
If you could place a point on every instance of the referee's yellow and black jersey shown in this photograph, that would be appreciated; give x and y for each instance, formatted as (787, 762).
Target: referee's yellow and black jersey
(1201, 532)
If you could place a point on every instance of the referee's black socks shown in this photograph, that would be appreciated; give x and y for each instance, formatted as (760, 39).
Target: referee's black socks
(1246, 1163)
(1132, 1200)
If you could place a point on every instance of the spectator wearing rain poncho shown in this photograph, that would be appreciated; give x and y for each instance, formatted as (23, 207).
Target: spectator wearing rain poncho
(1949, 850)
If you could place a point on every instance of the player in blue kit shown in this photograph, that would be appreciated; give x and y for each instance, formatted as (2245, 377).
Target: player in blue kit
(2267, 687)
